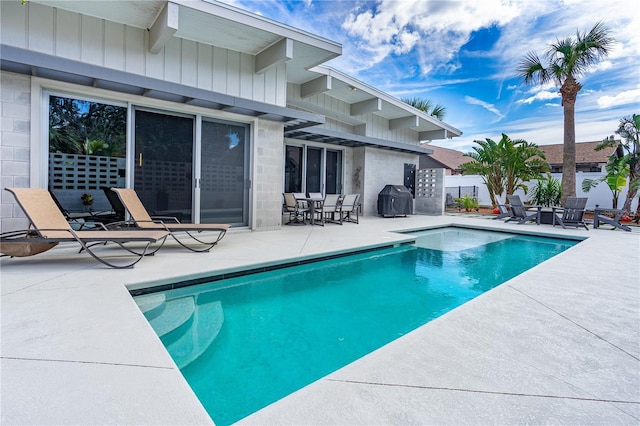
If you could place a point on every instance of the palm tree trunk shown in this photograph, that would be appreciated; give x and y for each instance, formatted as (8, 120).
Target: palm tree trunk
(569, 92)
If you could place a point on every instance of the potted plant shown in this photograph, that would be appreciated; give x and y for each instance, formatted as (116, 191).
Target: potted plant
(468, 203)
(546, 193)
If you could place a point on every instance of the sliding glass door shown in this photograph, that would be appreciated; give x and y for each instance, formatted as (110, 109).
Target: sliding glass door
(163, 170)
(224, 182)
(312, 169)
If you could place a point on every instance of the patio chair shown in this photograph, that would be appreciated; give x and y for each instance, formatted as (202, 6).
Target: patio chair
(599, 217)
(294, 209)
(330, 207)
(141, 219)
(522, 213)
(572, 213)
(504, 212)
(48, 227)
(349, 208)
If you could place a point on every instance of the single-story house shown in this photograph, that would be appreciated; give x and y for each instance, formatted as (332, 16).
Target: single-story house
(202, 108)
(444, 158)
(587, 158)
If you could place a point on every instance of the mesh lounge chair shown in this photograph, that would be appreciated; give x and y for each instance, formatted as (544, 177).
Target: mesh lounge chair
(572, 213)
(141, 219)
(522, 213)
(49, 227)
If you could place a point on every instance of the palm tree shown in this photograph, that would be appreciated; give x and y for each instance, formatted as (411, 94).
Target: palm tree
(426, 105)
(505, 165)
(487, 165)
(566, 61)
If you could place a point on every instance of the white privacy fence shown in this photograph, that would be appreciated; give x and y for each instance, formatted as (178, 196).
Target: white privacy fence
(600, 195)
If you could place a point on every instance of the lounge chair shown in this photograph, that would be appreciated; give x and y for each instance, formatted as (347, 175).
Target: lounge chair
(48, 227)
(572, 213)
(600, 218)
(522, 213)
(141, 219)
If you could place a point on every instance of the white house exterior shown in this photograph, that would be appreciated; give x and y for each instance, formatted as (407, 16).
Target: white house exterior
(221, 110)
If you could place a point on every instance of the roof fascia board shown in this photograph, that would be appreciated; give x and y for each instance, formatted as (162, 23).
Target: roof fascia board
(20, 60)
(164, 27)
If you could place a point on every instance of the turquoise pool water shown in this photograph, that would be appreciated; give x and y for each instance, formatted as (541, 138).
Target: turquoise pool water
(246, 342)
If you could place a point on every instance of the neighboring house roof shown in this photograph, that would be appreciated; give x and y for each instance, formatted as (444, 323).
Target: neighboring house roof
(585, 153)
(449, 158)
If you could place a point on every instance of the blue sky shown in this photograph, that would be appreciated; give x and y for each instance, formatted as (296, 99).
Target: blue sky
(463, 55)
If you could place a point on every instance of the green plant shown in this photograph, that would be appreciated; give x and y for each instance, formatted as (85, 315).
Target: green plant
(468, 203)
(616, 177)
(547, 192)
(505, 165)
(565, 61)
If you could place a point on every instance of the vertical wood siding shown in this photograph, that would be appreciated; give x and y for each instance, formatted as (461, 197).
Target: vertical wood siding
(117, 46)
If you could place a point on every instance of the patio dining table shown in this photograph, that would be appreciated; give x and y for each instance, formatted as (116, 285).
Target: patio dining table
(312, 205)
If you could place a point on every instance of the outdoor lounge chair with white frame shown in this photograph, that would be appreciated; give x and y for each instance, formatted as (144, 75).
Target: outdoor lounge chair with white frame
(142, 220)
(48, 227)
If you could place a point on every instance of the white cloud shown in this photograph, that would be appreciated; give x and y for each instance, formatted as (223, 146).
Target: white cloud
(540, 96)
(489, 107)
(436, 29)
(623, 98)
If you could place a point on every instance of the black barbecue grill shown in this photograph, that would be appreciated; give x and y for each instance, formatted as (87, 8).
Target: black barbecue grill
(395, 200)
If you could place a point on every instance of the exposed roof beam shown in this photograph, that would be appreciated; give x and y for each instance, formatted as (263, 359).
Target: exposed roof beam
(434, 134)
(364, 107)
(318, 85)
(279, 52)
(164, 27)
(404, 122)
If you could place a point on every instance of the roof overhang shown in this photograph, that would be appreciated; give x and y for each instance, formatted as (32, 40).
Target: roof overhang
(363, 99)
(212, 23)
(333, 137)
(32, 63)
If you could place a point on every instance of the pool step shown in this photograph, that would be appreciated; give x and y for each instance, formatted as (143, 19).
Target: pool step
(176, 312)
(207, 323)
(149, 304)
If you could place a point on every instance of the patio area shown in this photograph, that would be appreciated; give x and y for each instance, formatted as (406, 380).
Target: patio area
(557, 344)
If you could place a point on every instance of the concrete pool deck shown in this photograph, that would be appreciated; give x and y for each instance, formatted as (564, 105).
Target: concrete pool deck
(558, 344)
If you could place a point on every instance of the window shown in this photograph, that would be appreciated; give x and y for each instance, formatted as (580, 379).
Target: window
(312, 169)
(87, 146)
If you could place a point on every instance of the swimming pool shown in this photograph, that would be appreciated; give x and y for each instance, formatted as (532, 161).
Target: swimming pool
(246, 342)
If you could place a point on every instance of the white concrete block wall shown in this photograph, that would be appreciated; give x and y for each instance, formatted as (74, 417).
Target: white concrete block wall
(15, 112)
(267, 177)
(389, 170)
